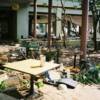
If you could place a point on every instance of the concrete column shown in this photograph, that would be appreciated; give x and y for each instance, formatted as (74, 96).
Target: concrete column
(22, 23)
(58, 22)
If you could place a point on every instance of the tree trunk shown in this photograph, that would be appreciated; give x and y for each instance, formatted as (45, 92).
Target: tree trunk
(49, 23)
(64, 38)
(84, 29)
(95, 36)
(63, 24)
(35, 17)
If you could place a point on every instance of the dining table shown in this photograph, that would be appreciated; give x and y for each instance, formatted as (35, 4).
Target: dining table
(32, 67)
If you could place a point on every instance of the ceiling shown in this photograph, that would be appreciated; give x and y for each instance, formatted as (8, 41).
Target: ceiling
(18, 1)
(8, 3)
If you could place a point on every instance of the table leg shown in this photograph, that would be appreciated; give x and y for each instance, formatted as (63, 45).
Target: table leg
(75, 60)
(31, 85)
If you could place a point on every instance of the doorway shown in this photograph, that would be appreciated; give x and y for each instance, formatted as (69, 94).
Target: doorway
(8, 25)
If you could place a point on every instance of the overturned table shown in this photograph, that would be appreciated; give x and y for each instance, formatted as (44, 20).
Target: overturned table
(32, 67)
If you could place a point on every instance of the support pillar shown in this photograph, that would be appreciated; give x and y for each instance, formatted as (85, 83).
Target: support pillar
(58, 22)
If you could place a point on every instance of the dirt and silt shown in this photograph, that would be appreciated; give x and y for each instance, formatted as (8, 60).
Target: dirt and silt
(50, 92)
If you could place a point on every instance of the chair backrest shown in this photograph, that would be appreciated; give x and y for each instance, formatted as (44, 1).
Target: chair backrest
(34, 45)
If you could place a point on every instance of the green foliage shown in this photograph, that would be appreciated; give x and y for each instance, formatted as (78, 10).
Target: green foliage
(51, 55)
(39, 83)
(89, 76)
(73, 43)
(98, 66)
(97, 2)
(69, 43)
(2, 85)
(24, 44)
(90, 44)
(94, 6)
(8, 70)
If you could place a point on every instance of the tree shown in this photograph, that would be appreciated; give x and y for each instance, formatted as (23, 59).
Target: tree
(95, 9)
(49, 22)
(84, 29)
(94, 6)
(64, 21)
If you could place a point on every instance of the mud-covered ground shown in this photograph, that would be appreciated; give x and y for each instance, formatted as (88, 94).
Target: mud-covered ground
(81, 92)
